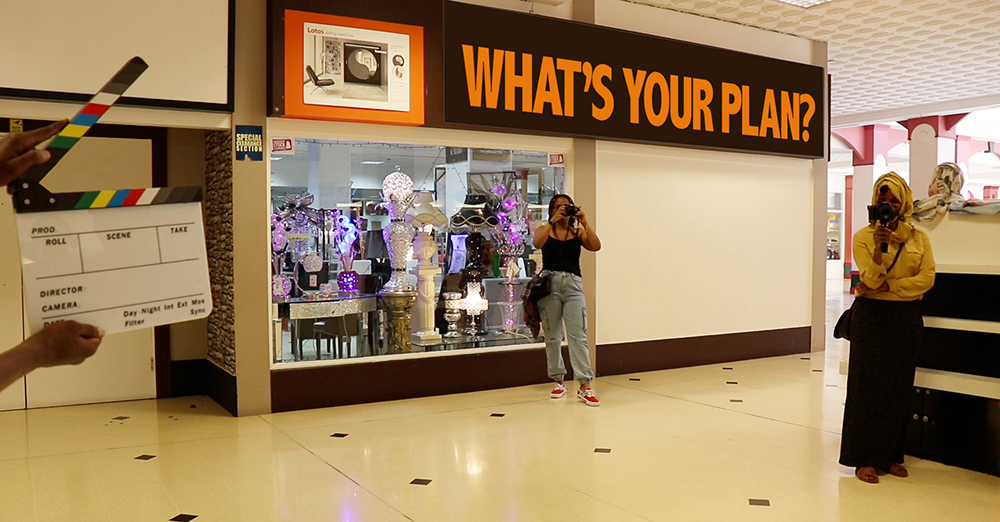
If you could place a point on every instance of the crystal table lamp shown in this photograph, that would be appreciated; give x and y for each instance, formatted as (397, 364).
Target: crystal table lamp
(474, 305)
(397, 297)
(397, 194)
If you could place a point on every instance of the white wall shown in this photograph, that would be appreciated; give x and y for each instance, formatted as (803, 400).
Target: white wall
(699, 243)
(729, 240)
(966, 243)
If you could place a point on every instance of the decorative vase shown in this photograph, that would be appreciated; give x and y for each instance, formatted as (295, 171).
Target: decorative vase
(511, 308)
(452, 313)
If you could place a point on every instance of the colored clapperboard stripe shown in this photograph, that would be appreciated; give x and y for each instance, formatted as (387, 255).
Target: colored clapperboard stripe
(87, 117)
(126, 198)
(118, 259)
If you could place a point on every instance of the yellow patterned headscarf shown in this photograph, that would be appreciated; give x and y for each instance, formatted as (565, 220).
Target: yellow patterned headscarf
(899, 189)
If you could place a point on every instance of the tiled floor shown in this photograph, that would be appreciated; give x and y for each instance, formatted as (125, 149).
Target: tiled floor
(680, 450)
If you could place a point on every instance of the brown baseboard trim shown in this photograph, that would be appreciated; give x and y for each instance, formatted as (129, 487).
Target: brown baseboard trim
(221, 387)
(664, 354)
(340, 385)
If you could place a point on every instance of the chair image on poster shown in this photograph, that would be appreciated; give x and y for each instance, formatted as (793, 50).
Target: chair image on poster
(318, 83)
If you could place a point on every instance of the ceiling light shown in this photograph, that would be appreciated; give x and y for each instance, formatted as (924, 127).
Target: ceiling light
(276, 158)
(805, 3)
(372, 162)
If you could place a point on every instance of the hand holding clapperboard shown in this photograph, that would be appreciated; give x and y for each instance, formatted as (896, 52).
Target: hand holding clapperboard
(117, 259)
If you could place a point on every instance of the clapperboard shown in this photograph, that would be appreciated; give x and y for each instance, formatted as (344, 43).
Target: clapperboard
(117, 259)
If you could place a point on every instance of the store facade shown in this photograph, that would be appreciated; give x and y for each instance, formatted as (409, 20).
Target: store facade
(680, 203)
(713, 226)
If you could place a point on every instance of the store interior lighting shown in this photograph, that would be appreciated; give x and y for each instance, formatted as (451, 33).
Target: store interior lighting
(805, 3)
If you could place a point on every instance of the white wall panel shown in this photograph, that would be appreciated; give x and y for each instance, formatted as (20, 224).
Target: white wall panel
(121, 369)
(699, 243)
(75, 46)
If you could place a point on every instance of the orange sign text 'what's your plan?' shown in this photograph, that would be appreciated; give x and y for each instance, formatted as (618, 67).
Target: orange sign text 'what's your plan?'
(681, 102)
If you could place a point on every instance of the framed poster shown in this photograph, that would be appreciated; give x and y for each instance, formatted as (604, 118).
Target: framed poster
(341, 68)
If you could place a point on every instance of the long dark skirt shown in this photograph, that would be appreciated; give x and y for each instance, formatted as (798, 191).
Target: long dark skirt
(885, 337)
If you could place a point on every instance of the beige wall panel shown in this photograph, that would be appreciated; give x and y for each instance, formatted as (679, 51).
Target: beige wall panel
(11, 319)
(700, 243)
(186, 168)
(251, 225)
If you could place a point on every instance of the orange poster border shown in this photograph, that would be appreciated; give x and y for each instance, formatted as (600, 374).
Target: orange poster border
(295, 106)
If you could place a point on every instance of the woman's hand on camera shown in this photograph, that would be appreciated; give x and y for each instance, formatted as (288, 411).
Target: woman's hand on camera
(581, 218)
(559, 214)
(882, 235)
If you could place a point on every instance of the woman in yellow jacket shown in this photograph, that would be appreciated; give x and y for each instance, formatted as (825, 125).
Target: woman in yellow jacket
(886, 331)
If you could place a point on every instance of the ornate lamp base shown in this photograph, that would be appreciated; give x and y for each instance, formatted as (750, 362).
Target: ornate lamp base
(398, 307)
(425, 338)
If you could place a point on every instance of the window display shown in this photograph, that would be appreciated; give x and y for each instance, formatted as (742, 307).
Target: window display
(382, 248)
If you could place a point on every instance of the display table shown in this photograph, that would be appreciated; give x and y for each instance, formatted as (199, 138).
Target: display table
(328, 322)
(312, 318)
(482, 341)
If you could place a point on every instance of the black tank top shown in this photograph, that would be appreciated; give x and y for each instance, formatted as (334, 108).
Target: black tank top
(562, 256)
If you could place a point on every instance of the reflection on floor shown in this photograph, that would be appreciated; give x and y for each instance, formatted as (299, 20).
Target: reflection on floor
(664, 446)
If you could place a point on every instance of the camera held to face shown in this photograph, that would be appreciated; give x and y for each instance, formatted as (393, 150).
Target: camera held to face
(571, 210)
(884, 213)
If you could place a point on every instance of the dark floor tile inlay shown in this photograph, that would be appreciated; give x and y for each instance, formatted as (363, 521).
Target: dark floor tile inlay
(818, 371)
(120, 418)
(731, 382)
(421, 482)
(726, 368)
(735, 400)
(497, 414)
(634, 379)
(183, 518)
(145, 457)
(602, 450)
(760, 502)
(339, 435)
(804, 358)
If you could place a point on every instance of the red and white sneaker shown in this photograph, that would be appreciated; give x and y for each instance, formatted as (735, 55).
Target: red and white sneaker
(588, 397)
(559, 391)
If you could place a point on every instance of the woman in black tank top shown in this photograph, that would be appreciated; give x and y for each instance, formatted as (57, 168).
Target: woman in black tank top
(561, 241)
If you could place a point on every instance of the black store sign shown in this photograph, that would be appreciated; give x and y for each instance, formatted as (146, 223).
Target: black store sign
(516, 71)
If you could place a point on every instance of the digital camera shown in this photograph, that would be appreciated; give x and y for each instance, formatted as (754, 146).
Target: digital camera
(884, 213)
(570, 210)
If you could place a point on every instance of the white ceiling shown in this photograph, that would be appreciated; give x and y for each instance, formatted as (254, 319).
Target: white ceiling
(889, 59)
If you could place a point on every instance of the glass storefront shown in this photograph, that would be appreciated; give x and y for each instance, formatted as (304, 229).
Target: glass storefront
(471, 215)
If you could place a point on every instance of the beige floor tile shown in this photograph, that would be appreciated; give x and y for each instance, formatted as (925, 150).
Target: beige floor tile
(680, 451)
(17, 501)
(142, 503)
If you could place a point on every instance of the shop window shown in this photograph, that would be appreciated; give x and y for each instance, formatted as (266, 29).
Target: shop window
(330, 259)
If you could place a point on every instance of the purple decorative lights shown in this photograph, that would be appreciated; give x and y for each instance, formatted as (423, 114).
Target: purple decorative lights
(348, 282)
